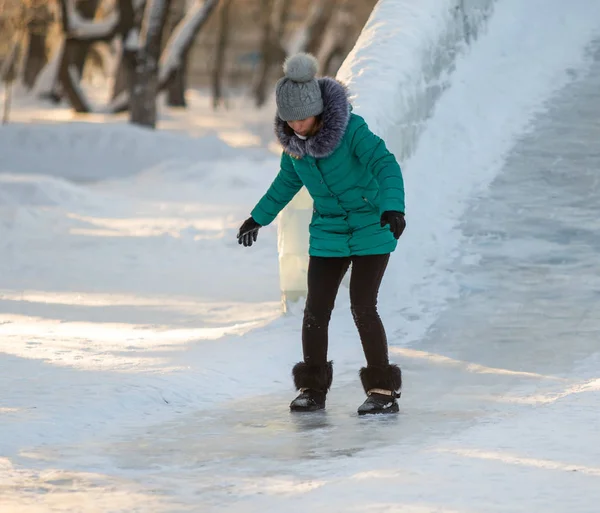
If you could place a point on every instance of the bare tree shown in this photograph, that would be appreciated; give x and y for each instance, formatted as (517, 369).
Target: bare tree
(310, 36)
(338, 40)
(175, 54)
(25, 23)
(87, 9)
(79, 33)
(274, 16)
(223, 37)
(128, 33)
(38, 23)
(8, 74)
(177, 85)
(125, 22)
(145, 87)
(180, 43)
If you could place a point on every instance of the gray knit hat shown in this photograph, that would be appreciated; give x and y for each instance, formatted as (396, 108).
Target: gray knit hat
(298, 94)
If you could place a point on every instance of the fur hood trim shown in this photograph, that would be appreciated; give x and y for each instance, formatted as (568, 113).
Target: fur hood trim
(336, 115)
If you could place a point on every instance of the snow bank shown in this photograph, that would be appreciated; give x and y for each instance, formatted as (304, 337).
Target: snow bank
(40, 191)
(90, 152)
(401, 62)
(494, 92)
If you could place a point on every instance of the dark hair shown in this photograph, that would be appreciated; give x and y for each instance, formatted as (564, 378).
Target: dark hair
(318, 125)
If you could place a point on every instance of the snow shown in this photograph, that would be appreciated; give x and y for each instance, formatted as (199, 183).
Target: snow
(424, 40)
(132, 42)
(143, 355)
(92, 29)
(101, 151)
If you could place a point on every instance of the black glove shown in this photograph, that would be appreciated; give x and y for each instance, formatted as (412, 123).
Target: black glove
(395, 220)
(248, 232)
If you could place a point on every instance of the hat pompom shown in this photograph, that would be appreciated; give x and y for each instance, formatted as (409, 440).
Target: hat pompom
(301, 67)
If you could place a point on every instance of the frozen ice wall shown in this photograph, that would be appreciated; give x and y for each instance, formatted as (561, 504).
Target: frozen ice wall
(497, 87)
(403, 59)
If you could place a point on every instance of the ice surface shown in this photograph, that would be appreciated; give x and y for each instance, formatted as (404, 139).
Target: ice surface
(145, 367)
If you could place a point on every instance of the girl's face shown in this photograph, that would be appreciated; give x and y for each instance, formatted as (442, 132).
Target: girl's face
(303, 126)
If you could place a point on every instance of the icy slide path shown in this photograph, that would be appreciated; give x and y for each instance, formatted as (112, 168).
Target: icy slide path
(501, 401)
(126, 386)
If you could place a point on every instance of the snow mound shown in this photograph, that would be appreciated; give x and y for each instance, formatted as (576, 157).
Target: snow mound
(33, 206)
(91, 152)
(43, 191)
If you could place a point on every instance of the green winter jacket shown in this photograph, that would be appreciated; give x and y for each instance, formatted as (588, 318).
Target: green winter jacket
(349, 173)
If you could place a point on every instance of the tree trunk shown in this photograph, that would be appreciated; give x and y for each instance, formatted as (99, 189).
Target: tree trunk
(177, 49)
(8, 78)
(265, 62)
(77, 37)
(177, 87)
(271, 46)
(223, 38)
(177, 84)
(70, 80)
(319, 27)
(310, 36)
(184, 35)
(47, 84)
(144, 87)
(129, 26)
(36, 57)
(87, 9)
(7, 100)
(338, 40)
(8, 74)
(123, 74)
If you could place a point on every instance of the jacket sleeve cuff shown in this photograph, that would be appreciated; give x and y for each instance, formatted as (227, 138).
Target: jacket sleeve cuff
(261, 217)
(392, 205)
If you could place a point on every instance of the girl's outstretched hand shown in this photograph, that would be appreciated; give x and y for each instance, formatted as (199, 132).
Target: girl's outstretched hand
(248, 232)
(395, 220)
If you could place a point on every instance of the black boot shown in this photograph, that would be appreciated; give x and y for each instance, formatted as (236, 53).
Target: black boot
(314, 382)
(382, 386)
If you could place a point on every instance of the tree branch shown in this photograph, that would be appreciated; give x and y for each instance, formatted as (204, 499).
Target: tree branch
(183, 36)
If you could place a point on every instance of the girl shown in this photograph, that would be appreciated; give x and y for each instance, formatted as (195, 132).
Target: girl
(358, 193)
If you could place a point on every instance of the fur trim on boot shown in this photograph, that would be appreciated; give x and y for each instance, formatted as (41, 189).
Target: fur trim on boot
(315, 377)
(387, 377)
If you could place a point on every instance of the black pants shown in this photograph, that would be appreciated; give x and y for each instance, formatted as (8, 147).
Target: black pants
(324, 278)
